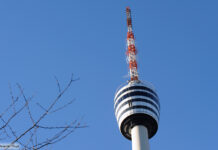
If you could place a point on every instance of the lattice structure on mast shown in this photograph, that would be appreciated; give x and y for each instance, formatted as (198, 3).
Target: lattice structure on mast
(131, 49)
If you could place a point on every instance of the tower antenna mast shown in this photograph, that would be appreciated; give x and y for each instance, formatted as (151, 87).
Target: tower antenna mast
(131, 50)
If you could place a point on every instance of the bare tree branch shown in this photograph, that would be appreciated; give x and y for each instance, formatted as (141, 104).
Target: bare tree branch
(12, 98)
(14, 115)
(62, 107)
(29, 138)
(9, 107)
(58, 137)
(58, 84)
(41, 106)
(26, 102)
(12, 131)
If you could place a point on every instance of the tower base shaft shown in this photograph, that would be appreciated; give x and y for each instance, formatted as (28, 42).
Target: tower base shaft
(139, 136)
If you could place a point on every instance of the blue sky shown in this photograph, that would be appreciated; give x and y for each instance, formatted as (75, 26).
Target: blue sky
(177, 52)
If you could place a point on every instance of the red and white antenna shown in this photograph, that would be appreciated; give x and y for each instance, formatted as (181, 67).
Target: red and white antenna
(131, 50)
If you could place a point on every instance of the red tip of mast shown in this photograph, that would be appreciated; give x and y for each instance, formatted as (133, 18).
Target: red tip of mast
(128, 14)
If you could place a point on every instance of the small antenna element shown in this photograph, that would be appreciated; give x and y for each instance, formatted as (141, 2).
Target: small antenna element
(131, 50)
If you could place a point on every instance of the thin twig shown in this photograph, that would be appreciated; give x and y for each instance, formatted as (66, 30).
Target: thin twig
(26, 101)
(12, 97)
(58, 84)
(41, 106)
(62, 107)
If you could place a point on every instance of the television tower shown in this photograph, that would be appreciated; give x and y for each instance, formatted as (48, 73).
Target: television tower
(136, 104)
